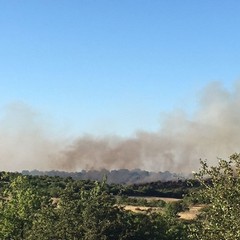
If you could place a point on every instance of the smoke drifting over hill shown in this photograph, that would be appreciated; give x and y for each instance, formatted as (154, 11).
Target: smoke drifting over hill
(213, 131)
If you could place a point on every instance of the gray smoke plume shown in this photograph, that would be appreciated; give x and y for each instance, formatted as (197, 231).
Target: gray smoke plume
(212, 131)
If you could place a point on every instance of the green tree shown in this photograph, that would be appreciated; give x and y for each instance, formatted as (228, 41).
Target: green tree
(221, 192)
(89, 215)
(102, 219)
(17, 209)
(44, 223)
(69, 210)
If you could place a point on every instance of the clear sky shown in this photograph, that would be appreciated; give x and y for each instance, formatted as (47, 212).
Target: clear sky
(109, 66)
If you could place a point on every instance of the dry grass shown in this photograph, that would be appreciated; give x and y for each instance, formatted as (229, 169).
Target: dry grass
(149, 199)
(191, 213)
(141, 209)
(187, 215)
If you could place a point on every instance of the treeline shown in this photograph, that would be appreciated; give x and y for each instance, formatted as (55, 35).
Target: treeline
(54, 185)
(121, 176)
(169, 189)
(173, 188)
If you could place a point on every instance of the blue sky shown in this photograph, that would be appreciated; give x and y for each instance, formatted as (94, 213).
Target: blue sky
(113, 67)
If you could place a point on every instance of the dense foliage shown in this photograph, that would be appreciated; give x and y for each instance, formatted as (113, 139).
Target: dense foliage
(170, 189)
(54, 208)
(83, 210)
(221, 193)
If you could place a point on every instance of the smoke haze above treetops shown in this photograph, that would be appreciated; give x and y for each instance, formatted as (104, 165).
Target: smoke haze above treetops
(212, 131)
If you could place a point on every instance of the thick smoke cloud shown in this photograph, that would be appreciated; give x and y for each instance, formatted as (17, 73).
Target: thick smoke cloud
(212, 131)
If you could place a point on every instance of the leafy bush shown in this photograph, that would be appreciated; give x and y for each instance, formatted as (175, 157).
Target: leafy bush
(222, 193)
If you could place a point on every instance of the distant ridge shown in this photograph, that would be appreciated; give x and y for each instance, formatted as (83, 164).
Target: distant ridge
(121, 176)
